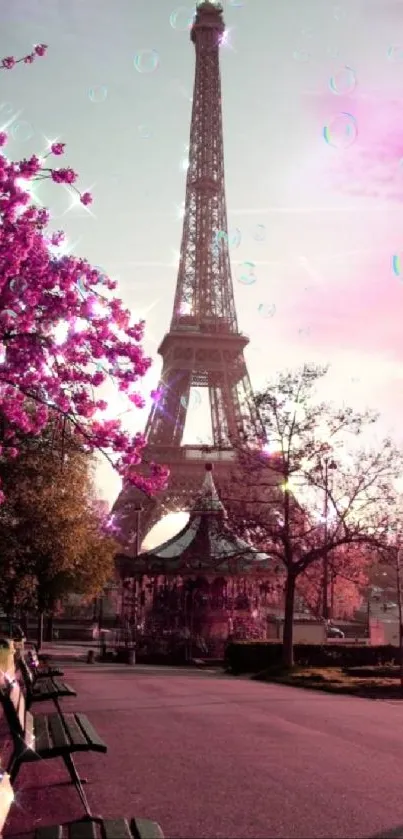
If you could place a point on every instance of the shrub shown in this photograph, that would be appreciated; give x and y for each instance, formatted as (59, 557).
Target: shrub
(254, 656)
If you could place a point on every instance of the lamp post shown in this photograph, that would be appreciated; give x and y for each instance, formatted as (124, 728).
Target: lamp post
(328, 464)
(137, 546)
(399, 604)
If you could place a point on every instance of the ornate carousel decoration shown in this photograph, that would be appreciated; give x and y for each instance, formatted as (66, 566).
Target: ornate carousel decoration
(193, 592)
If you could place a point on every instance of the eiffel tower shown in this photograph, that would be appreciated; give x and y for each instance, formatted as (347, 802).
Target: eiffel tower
(204, 347)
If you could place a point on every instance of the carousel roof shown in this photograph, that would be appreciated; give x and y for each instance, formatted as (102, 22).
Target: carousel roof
(205, 545)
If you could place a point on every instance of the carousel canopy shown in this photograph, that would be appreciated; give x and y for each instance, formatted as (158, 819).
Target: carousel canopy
(204, 546)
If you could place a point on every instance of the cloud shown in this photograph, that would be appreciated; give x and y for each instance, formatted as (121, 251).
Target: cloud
(372, 167)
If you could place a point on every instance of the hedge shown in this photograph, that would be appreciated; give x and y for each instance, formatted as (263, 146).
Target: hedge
(254, 656)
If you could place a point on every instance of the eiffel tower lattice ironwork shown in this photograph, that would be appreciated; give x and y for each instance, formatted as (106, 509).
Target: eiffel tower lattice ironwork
(203, 347)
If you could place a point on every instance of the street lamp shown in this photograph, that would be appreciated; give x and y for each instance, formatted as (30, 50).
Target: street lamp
(329, 463)
(396, 538)
(399, 603)
(137, 545)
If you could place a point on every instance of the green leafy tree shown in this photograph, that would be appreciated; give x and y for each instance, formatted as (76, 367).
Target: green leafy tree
(306, 492)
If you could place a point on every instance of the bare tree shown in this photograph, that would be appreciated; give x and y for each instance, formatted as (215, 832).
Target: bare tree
(313, 486)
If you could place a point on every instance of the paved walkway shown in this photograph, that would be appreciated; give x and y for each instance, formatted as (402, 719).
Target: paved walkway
(213, 756)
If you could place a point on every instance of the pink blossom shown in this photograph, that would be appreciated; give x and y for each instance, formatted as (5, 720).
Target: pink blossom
(8, 63)
(86, 198)
(63, 176)
(40, 49)
(57, 238)
(137, 400)
(58, 148)
(12, 452)
(3, 138)
(39, 292)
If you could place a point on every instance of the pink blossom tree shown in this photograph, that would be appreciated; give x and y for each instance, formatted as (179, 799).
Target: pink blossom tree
(62, 331)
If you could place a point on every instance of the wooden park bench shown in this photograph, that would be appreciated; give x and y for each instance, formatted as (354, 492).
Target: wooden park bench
(44, 688)
(88, 828)
(97, 828)
(40, 668)
(47, 736)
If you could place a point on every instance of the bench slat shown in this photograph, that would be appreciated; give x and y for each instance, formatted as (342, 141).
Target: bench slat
(49, 688)
(61, 686)
(45, 672)
(77, 737)
(42, 739)
(64, 690)
(110, 829)
(116, 829)
(146, 829)
(90, 733)
(41, 687)
(53, 832)
(59, 737)
(83, 830)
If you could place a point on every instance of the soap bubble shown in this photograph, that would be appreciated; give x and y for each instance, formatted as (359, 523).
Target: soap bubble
(193, 401)
(397, 265)
(302, 56)
(103, 274)
(395, 53)
(259, 233)
(339, 13)
(182, 18)
(220, 236)
(236, 4)
(82, 284)
(246, 273)
(6, 109)
(233, 238)
(97, 94)
(341, 132)
(18, 285)
(145, 132)
(343, 82)
(267, 310)
(146, 61)
(22, 131)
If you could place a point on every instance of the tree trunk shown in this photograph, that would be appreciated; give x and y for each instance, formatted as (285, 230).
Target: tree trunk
(39, 630)
(49, 628)
(288, 651)
(10, 624)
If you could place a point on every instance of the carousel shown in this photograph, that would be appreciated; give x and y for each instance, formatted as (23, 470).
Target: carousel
(187, 597)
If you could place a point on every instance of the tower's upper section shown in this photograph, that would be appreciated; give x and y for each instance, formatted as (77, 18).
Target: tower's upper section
(204, 299)
(208, 16)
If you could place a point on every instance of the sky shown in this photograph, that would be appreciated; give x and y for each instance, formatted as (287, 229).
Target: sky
(313, 139)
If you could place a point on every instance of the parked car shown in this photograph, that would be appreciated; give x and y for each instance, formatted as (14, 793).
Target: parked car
(334, 632)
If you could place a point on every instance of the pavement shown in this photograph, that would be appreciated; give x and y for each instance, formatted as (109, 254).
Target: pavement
(209, 756)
